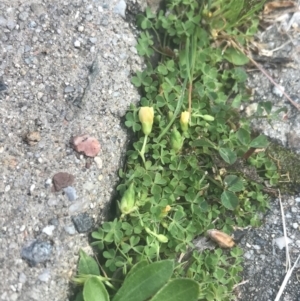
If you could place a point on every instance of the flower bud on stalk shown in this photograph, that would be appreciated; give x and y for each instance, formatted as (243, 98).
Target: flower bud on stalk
(176, 140)
(146, 116)
(160, 237)
(184, 121)
(128, 200)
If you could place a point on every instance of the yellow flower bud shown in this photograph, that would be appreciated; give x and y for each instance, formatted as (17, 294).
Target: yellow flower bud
(184, 121)
(165, 211)
(146, 116)
(128, 200)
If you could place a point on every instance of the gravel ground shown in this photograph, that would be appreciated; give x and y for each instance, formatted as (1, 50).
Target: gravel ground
(65, 70)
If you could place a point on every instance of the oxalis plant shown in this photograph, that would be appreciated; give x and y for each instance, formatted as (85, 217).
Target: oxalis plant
(194, 165)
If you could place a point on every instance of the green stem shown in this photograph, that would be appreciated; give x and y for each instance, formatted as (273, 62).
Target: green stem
(142, 152)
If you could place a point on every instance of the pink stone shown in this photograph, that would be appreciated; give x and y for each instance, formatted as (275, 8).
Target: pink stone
(87, 145)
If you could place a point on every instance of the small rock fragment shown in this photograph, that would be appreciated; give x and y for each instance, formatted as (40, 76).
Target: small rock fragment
(37, 252)
(281, 243)
(32, 138)
(69, 89)
(120, 8)
(45, 276)
(78, 206)
(98, 162)
(278, 91)
(83, 222)
(62, 180)
(49, 230)
(77, 44)
(80, 28)
(86, 144)
(70, 193)
(70, 229)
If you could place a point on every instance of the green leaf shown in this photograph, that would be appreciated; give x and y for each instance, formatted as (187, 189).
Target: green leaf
(259, 142)
(87, 265)
(79, 297)
(178, 290)
(243, 136)
(229, 200)
(234, 183)
(227, 155)
(94, 290)
(137, 267)
(235, 56)
(202, 142)
(145, 281)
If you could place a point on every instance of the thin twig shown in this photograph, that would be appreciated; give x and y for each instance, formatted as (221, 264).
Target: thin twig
(287, 254)
(265, 73)
(286, 279)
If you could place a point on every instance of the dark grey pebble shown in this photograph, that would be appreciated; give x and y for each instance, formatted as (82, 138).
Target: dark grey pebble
(259, 241)
(83, 222)
(37, 252)
(54, 221)
(3, 87)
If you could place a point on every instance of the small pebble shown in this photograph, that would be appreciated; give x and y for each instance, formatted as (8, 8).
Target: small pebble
(37, 252)
(23, 16)
(52, 202)
(7, 188)
(93, 40)
(70, 229)
(22, 278)
(22, 228)
(83, 222)
(295, 225)
(48, 183)
(70, 193)
(80, 28)
(69, 89)
(49, 230)
(78, 206)
(77, 44)
(98, 162)
(120, 8)
(32, 187)
(278, 92)
(297, 200)
(45, 276)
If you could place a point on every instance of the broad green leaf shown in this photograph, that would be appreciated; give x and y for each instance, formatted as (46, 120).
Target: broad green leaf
(137, 267)
(243, 136)
(145, 281)
(87, 265)
(227, 155)
(234, 183)
(94, 290)
(229, 200)
(235, 57)
(79, 297)
(178, 290)
(259, 142)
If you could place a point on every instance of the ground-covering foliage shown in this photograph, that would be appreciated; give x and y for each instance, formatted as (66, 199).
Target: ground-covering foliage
(194, 165)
